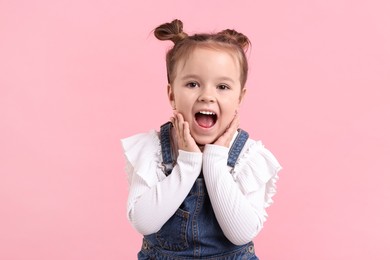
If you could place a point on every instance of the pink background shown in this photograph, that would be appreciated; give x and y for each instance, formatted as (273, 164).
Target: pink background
(78, 75)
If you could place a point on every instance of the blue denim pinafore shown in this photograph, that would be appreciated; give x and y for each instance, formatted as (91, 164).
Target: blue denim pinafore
(193, 231)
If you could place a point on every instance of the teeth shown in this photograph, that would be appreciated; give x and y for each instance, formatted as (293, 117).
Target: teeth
(207, 112)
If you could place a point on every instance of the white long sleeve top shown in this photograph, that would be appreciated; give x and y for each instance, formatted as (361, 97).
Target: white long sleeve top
(239, 195)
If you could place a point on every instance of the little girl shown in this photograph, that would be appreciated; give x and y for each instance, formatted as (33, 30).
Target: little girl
(199, 187)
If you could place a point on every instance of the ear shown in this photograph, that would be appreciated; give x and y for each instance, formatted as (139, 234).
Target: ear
(171, 96)
(242, 95)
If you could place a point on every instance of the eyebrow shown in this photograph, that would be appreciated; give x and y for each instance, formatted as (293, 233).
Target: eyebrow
(226, 79)
(193, 76)
(189, 76)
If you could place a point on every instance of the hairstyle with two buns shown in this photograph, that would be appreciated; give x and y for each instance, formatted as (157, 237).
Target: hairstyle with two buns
(228, 40)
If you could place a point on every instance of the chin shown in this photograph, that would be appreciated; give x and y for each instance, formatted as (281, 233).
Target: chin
(203, 140)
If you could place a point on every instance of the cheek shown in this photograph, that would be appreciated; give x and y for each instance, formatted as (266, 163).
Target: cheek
(231, 105)
(228, 114)
(184, 102)
(181, 105)
(185, 109)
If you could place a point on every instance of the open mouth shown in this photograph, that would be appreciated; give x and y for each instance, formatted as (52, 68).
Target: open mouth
(206, 119)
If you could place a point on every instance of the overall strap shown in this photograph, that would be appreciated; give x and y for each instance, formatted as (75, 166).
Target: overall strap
(237, 146)
(166, 149)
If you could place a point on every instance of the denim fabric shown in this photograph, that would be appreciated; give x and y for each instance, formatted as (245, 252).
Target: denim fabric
(237, 146)
(246, 252)
(193, 231)
(166, 150)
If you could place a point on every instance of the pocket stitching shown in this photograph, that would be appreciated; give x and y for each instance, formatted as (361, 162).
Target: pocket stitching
(182, 243)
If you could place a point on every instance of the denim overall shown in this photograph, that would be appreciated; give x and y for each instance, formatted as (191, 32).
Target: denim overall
(193, 231)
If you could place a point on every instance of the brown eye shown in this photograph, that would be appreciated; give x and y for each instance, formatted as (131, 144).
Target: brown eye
(223, 87)
(192, 84)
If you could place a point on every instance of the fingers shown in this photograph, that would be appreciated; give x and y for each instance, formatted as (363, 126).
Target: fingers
(179, 124)
(227, 136)
(183, 135)
(234, 124)
(231, 130)
(186, 133)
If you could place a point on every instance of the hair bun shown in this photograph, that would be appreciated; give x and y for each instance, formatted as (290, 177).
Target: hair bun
(172, 31)
(236, 37)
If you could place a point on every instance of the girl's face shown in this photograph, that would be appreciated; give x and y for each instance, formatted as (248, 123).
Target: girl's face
(207, 92)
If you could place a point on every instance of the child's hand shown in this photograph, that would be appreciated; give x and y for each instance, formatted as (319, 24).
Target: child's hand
(226, 138)
(182, 133)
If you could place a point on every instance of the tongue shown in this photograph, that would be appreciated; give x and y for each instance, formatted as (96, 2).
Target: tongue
(205, 121)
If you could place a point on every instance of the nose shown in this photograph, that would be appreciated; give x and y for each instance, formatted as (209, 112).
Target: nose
(207, 95)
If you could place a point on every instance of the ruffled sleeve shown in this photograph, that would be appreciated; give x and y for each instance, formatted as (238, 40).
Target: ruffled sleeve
(257, 168)
(143, 168)
(143, 152)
